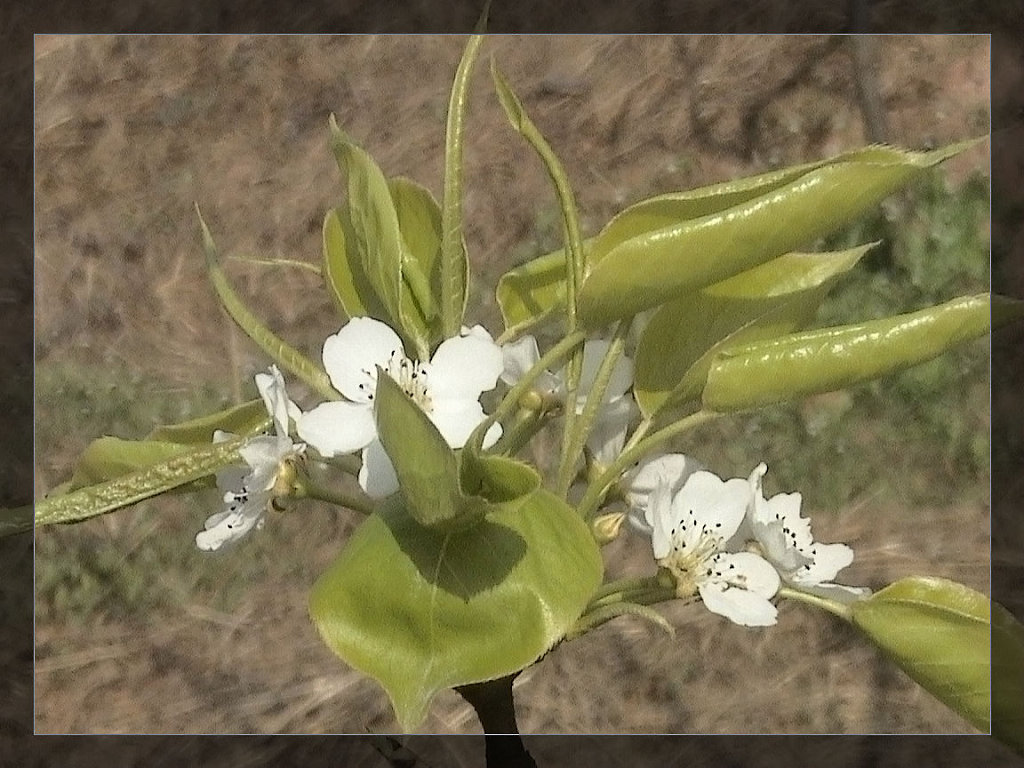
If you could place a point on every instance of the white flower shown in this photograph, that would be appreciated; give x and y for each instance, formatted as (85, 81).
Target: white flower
(785, 538)
(608, 433)
(671, 469)
(690, 530)
(447, 388)
(247, 490)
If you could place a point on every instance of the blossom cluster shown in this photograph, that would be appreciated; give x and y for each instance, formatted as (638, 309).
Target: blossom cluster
(721, 540)
(724, 541)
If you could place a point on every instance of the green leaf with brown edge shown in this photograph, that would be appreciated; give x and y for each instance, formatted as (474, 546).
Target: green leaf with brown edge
(1008, 678)
(666, 263)
(677, 345)
(421, 609)
(284, 354)
(247, 418)
(533, 290)
(937, 631)
(827, 359)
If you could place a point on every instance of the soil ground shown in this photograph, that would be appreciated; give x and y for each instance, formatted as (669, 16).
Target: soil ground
(131, 131)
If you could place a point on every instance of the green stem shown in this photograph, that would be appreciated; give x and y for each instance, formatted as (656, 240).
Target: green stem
(597, 617)
(621, 587)
(596, 491)
(511, 399)
(576, 431)
(837, 609)
(356, 501)
(526, 424)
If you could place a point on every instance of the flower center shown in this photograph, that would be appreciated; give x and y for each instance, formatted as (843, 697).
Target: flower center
(411, 376)
(694, 554)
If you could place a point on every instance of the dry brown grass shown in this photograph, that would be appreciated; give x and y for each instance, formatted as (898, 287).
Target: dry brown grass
(131, 130)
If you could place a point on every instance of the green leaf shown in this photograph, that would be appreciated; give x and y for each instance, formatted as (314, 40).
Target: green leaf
(180, 469)
(498, 479)
(248, 418)
(1008, 677)
(677, 345)
(288, 357)
(454, 266)
(661, 264)
(828, 359)
(419, 220)
(375, 233)
(427, 469)
(421, 610)
(937, 631)
(109, 457)
(343, 269)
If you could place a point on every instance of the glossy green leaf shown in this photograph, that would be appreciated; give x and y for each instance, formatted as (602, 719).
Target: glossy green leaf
(454, 272)
(1008, 678)
(421, 610)
(247, 418)
(828, 359)
(497, 479)
(427, 469)
(659, 265)
(530, 292)
(677, 345)
(178, 470)
(287, 356)
(937, 631)
(375, 233)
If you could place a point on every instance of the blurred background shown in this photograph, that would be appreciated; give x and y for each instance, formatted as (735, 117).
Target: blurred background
(137, 631)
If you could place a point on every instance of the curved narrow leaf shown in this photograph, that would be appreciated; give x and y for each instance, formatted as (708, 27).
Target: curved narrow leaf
(1007, 678)
(530, 292)
(109, 457)
(421, 610)
(246, 418)
(454, 266)
(419, 221)
(828, 359)
(287, 356)
(677, 345)
(662, 264)
(158, 478)
(937, 631)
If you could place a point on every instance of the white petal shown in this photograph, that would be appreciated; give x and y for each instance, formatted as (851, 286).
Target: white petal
(740, 588)
(491, 435)
(518, 357)
(230, 526)
(609, 432)
(672, 469)
(264, 453)
(829, 560)
(272, 390)
(335, 428)
(456, 418)
(377, 475)
(661, 520)
(464, 366)
(717, 504)
(738, 605)
(351, 356)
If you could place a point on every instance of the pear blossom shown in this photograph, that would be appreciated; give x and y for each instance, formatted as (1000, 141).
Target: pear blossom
(671, 469)
(447, 388)
(690, 530)
(784, 536)
(608, 434)
(247, 491)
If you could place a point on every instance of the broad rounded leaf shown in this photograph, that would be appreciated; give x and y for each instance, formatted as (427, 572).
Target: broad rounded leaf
(937, 631)
(677, 345)
(828, 359)
(421, 610)
(662, 264)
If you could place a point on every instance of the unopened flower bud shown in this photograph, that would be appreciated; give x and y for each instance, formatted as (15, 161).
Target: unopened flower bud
(606, 527)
